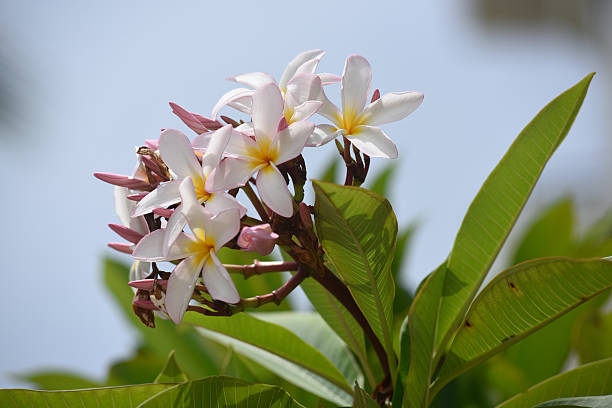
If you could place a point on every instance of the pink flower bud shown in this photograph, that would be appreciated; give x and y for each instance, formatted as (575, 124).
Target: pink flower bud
(259, 238)
(163, 212)
(144, 304)
(127, 233)
(121, 247)
(197, 123)
(147, 284)
(123, 181)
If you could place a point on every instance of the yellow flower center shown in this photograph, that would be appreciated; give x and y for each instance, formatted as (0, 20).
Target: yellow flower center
(349, 120)
(263, 153)
(201, 193)
(203, 245)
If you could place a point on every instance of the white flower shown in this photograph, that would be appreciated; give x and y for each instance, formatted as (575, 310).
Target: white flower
(357, 122)
(198, 251)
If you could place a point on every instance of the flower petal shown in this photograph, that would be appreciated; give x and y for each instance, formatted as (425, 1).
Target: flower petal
(218, 282)
(356, 81)
(373, 142)
(150, 248)
(223, 201)
(267, 111)
(328, 79)
(328, 109)
(139, 270)
(230, 173)
(174, 227)
(290, 142)
(196, 215)
(124, 208)
(223, 226)
(297, 63)
(305, 110)
(323, 134)
(164, 195)
(274, 192)
(303, 87)
(218, 142)
(236, 96)
(253, 79)
(180, 287)
(392, 107)
(176, 151)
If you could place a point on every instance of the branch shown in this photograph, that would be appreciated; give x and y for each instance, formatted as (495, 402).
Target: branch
(258, 267)
(256, 202)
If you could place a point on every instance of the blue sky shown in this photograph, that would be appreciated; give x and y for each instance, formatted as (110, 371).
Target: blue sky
(95, 80)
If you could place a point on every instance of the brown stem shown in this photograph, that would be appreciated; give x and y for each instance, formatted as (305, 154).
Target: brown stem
(259, 267)
(279, 294)
(256, 202)
(337, 288)
(348, 181)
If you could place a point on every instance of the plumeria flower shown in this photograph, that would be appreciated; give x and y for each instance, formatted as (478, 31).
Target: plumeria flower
(176, 151)
(299, 86)
(269, 148)
(358, 122)
(259, 238)
(198, 252)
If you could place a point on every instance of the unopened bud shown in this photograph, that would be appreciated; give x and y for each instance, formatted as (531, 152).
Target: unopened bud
(197, 123)
(259, 238)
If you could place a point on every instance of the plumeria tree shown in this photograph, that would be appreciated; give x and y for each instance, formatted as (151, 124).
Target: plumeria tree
(237, 186)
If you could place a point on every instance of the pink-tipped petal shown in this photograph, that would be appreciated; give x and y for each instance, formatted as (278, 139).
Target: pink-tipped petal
(147, 284)
(218, 282)
(356, 81)
(123, 181)
(121, 247)
(164, 195)
(230, 173)
(373, 142)
(176, 151)
(274, 192)
(137, 197)
(239, 97)
(126, 233)
(163, 212)
(174, 228)
(223, 226)
(267, 111)
(180, 287)
(304, 62)
(222, 201)
(259, 238)
(392, 107)
(328, 79)
(253, 79)
(218, 142)
(291, 141)
(323, 134)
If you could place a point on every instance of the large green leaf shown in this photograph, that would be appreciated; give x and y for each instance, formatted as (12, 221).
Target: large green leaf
(519, 301)
(129, 396)
(58, 380)
(279, 350)
(592, 336)
(422, 325)
(311, 328)
(499, 202)
(357, 229)
(221, 392)
(171, 373)
(362, 399)
(194, 354)
(602, 401)
(590, 379)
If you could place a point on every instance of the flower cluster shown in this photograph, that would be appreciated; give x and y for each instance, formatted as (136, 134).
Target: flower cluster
(191, 185)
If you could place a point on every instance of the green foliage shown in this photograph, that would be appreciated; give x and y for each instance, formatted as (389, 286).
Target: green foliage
(603, 401)
(357, 229)
(58, 380)
(171, 373)
(362, 399)
(279, 350)
(222, 392)
(590, 379)
(519, 301)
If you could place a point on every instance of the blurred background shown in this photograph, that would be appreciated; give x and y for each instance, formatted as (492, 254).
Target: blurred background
(81, 84)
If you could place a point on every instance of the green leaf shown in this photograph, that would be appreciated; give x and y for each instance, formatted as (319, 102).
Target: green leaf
(129, 396)
(602, 401)
(330, 172)
(311, 328)
(194, 354)
(590, 379)
(403, 298)
(171, 373)
(423, 327)
(499, 202)
(519, 301)
(380, 185)
(140, 368)
(361, 399)
(357, 229)
(592, 336)
(279, 350)
(402, 370)
(222, 392)
(58, 380)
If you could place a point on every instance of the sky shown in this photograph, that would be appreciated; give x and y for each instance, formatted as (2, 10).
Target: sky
(88, 81)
